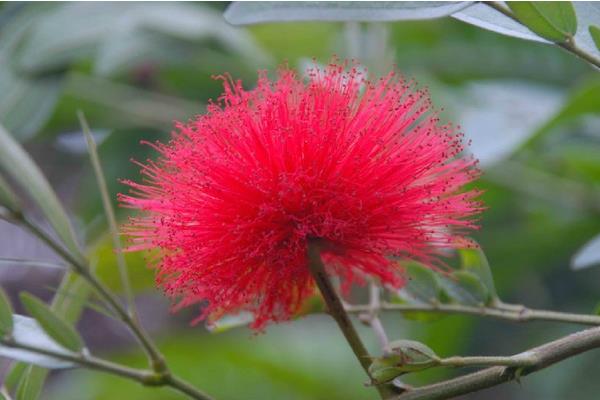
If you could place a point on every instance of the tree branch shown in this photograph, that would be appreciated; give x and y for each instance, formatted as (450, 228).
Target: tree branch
(145, 377)
(517, 313)
(569, 45)
(156, 358)
(544, 356)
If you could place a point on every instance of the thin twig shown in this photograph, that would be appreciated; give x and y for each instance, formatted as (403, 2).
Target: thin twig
(515, 313)
(156, 358)
(568, 45)
(145, 377)
(110, 214)
(544, 356)
(371, 317)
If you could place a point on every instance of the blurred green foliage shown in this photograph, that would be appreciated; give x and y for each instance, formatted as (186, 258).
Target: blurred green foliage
(135, 69)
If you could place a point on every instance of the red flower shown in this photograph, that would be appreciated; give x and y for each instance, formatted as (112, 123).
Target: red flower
(235, 195)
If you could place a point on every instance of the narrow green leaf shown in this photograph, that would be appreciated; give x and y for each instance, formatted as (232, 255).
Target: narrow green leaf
(421, 286)
(14, 376)
(475, 261)
(554, 21)
(27, 331)
(29, 387)
(17, 163)
(595, 33)
(6, 315)
(69, 308)
(7, 198)
(53, 325)
(464, 287)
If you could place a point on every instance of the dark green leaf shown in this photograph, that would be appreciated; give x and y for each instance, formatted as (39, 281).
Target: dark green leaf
(53, 325)
(475, 261)
(555, 21)
(7, 197)
(14, 376)
(421, 286)
(595, 33)
(464, 287)
(6, 315)
(17, 163)
(243, 13)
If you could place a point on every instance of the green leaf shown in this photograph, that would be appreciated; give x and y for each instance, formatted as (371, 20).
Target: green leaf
(30, 385)
(595, 34)
(14, 376)
(588, 255)
(27, 331)
(243, 13)
(585, 100)
(7, 198)
(69, 308)
(17, 163)
(26, 102)
(555, 21)
(464, 287)
(482, 15)
(475, 261)
(53, 325)
(6, 315)
(72, 32)
(421, 286)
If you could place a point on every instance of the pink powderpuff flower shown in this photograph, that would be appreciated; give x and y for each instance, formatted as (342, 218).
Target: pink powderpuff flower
(235, 195)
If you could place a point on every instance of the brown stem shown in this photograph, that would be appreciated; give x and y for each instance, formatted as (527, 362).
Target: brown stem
(543, 356)
(516, 313)
(336, 309)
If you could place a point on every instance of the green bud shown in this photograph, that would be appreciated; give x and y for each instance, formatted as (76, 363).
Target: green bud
(401, 357)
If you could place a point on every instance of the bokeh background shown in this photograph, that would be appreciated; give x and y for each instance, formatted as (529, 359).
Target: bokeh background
(531, 111)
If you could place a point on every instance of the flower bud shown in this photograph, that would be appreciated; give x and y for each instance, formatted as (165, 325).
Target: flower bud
(402, 356)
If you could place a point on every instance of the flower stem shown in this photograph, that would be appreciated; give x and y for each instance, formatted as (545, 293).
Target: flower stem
(542, 356)
(336, 309)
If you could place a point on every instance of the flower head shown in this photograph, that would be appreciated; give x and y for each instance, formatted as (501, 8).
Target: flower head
(364, 166)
